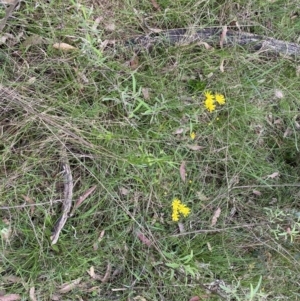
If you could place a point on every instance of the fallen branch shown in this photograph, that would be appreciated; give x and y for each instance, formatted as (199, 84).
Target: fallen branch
(215, 37)
(67, 203)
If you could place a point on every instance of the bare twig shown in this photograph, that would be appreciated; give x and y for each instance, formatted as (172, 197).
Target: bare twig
(223, 36)
(8, 13)
(29, 205)
(107, 273)
(155, 5)
(218, 230)
(67, 203)
(266, 186)
(30, 201)
(82, 198)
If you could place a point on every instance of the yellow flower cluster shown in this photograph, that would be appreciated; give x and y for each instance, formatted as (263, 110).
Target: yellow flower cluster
(177, 208)
(210, 100)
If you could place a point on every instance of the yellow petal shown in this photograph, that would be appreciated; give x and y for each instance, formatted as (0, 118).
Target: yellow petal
(220, 99)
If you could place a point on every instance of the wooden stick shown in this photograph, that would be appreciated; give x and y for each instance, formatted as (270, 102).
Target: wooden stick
(67, 203)
(8, 13)
(82, 198)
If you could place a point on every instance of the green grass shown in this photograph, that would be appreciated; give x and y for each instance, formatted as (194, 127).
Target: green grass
(90, 104)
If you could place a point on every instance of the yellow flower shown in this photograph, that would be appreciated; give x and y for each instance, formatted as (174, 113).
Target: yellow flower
(209, 95)
(183, 209)
(192, 135)
(176, 203)
(177, 208)
(220, 98)
(175, 216)
(209, 104)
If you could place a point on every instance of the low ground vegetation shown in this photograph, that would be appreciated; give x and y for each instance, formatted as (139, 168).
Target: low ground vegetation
(190, 200)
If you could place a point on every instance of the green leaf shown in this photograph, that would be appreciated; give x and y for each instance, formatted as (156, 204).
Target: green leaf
(173, 265)
(196, 86)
